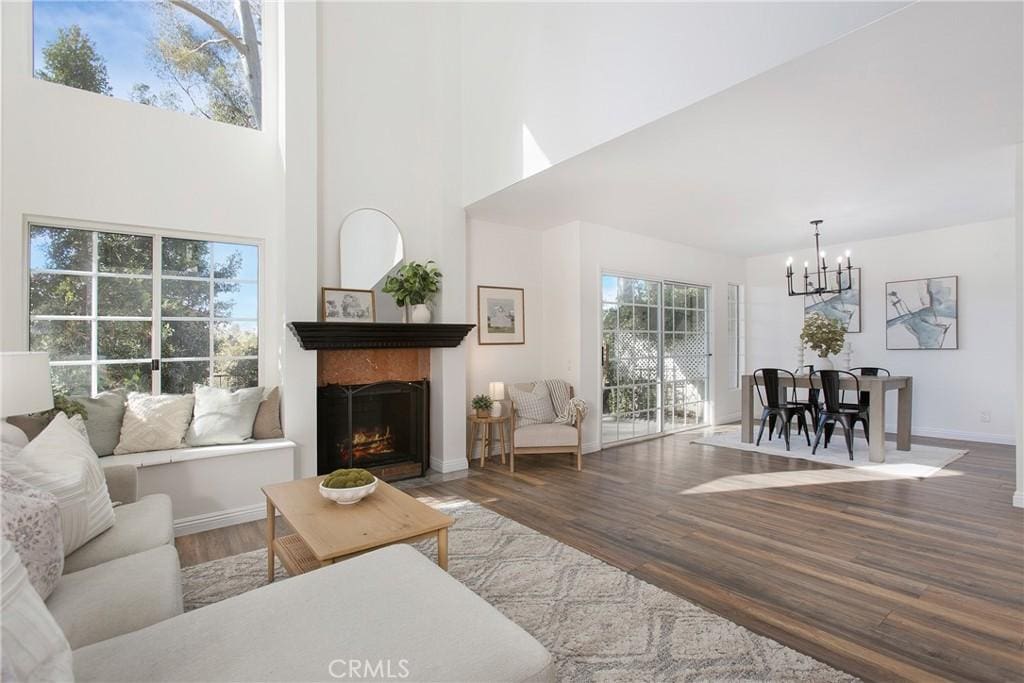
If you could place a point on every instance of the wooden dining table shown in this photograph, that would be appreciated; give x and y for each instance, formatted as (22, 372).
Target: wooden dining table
(877, 388)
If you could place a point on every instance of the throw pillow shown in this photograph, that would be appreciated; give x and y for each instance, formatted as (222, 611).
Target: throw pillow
(223, 416)
(104, 414)
(30, 424)
(35, 648)
(534, 406)
(154, 423)
(60, 461)
(31, 522)
(268, 418)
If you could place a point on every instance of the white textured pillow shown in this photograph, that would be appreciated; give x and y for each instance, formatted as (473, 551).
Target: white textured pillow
(31, 522)
(223, 416)
(60, 461)
(532, 407)
(35, 648)
(154, 423)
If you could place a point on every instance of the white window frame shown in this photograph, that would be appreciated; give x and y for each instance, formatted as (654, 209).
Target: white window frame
(736, 333)
(156, 276)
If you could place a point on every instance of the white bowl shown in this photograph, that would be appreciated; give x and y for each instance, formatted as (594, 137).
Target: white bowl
(348, 496)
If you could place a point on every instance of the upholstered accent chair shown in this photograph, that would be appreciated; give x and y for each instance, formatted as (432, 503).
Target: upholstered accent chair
(548, 437)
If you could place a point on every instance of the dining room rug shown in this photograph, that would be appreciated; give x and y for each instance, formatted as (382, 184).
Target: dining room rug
(919, 462)
(598, 622)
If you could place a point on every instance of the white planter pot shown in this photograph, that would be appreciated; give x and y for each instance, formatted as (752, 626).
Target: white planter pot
(420, 313)
(824, 364)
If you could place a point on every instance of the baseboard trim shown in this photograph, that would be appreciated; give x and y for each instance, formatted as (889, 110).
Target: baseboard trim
(447, 466)
(1018, 499)
(216, 520)
(957, 435)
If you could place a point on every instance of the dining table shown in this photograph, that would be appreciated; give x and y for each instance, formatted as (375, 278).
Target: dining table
(876, 387)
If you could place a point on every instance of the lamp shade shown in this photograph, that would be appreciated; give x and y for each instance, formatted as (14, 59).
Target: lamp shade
(497, 391)
(24, 383)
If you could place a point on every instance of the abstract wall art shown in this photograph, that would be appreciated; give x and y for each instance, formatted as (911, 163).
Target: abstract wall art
(921, 314)
(844, 307)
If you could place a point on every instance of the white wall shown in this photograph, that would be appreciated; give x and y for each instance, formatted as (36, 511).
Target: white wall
(951, 388)
(577, 75)
(390, 139)
(1018, 496)
(505, 256)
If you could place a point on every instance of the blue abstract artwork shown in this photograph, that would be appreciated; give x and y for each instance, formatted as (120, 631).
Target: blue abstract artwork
(844, 307)
(921, 314)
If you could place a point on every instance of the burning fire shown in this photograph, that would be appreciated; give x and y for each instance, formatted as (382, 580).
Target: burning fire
(365, 443)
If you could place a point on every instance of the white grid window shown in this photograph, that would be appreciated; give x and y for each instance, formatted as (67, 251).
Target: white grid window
(143, 312)
(736, 335)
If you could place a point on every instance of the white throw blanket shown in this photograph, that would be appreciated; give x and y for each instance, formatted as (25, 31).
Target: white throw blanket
(566, 407)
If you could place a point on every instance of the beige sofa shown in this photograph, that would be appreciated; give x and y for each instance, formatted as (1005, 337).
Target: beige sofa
(374, 616)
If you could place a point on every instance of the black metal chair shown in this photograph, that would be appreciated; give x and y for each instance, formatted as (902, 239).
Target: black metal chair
(776, 406)
(812, 403)
(864, 397)
(836, 411)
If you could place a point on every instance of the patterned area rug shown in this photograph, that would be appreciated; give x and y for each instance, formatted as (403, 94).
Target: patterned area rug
(599, 623)
(919, 462)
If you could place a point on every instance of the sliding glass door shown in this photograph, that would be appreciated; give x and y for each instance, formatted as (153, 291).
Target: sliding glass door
(654, 357)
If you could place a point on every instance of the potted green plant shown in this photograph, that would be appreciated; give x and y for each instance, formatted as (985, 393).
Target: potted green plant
(824, 336)
(482, 405)
(415, 284)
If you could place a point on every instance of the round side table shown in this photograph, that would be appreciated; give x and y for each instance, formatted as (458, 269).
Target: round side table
(482, 426)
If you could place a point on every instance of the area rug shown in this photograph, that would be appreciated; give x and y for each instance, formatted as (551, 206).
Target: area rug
(598, 622)
(919, 462)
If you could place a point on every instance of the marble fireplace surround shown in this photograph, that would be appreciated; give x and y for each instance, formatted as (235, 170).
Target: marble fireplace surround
(363, 353)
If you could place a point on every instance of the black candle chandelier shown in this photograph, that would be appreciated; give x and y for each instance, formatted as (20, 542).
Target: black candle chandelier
(816, 283)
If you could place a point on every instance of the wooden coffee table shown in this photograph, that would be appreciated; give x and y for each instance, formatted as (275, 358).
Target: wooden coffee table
(326, 531)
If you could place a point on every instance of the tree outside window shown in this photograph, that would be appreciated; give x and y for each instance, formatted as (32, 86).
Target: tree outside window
(106, 305)
(203, 57)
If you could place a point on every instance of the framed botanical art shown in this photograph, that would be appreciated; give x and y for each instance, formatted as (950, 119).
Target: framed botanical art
(844, 307)
(347, 305)
(921, 314)
(500, 315)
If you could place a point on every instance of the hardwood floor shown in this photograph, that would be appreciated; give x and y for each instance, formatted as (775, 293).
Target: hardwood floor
(885, 579)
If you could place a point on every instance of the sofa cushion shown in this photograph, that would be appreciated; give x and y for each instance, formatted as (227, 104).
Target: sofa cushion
(267, 424)
(534, 436)
(533, 404)
(154, 423)
(223, 416)
(142, 525)
(117, 597)
(104, 413)
(61, 461)
(405, 612)
(34, 648)
(31, 522)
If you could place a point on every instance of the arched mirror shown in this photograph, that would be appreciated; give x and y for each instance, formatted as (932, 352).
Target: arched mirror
(371, 248)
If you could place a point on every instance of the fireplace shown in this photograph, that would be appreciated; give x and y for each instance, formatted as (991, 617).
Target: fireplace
(382, 427)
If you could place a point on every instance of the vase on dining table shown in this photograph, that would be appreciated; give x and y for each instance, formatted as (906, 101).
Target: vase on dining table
(824, 363)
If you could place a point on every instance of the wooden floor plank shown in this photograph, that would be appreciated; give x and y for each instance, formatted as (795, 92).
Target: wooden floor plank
(886, 579)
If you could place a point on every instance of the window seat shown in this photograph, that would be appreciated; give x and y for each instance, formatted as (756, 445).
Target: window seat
(212, 486)
(150, 458)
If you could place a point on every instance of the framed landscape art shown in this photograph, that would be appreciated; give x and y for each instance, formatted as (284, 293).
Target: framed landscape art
(348, 305)
(844, 307)
(922, 314)
(500, 316)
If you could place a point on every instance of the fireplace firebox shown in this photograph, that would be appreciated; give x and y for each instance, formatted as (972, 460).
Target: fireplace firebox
(381, 427)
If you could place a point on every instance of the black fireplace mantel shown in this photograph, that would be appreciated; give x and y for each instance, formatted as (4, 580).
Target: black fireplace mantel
(317, 336)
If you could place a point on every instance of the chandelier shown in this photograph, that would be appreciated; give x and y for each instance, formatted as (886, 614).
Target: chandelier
(816, 283)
